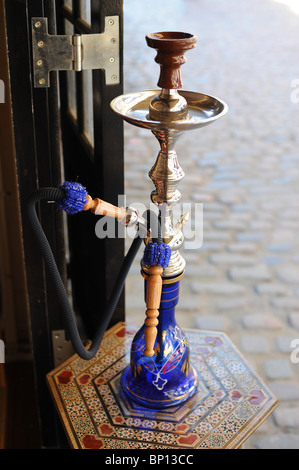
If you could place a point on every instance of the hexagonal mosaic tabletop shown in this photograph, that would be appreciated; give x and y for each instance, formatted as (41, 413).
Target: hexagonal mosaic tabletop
(231, 401)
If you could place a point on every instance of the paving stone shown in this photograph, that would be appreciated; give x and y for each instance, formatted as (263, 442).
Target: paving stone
(261, 321)
(249, 237)
(291, 214)
(229, 198)
(227, 175)
(191, 256)
(228, 168)
(211, 322)
(260, 225)
(234, 303)
(211, 246)
(189, 302)
(289, 274)
(219, 184)
(285, 390)
(203, 197)
(242, 247)
(272, 261)
(294, 320)
(212, 215)
(271, 206)
(282, 237)
(214, 154)
(288, 303)
(250, 182)
(280, 248)
(215, 235)
(217, 288)
(232, 259)
(278, 369)
(254, 273)
(206, 163)
(254, 344)
(271, 289)
(241, 216)
(290, 224)
(229, 225)
(258, 190)
(200, 270)
(213, 207)
(241, 208)
(290, 157)
(279, 441)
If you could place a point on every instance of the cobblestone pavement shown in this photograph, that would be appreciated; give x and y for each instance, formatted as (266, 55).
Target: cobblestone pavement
(244, 168)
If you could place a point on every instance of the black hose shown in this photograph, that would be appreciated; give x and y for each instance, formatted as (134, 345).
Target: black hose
(55, 194)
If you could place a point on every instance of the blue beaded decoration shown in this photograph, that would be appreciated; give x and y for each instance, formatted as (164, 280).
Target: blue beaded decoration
(75, 197)
(157, 253)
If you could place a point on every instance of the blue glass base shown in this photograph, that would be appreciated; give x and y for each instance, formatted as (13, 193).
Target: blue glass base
(143, 392)
(167, 378)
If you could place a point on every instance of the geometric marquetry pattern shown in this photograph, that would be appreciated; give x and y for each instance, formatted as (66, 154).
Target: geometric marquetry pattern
(232, 400)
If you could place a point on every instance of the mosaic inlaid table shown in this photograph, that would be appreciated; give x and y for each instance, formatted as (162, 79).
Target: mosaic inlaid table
(231, 401)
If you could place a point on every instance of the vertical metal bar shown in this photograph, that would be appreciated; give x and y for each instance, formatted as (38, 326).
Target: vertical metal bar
(79, 78)
(109, 151)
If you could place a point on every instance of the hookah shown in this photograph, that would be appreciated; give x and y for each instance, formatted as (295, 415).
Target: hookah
(159, 374)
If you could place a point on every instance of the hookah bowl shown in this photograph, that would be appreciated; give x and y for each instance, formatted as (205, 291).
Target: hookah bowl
(165, 377)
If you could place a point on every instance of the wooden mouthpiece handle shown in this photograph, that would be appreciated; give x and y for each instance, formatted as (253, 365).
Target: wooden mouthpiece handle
(99, 207)
(153, 298)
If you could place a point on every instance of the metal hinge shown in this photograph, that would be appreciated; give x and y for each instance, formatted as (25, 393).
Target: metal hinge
(75, 52)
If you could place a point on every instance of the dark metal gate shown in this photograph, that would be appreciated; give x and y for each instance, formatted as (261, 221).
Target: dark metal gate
(65, 132)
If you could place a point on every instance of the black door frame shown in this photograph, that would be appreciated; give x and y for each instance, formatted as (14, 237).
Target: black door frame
(38, 134)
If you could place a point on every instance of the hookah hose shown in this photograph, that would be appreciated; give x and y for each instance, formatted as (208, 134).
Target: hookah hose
(78, 200)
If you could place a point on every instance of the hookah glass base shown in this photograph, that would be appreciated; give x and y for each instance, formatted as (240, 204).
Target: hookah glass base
(167, 378)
